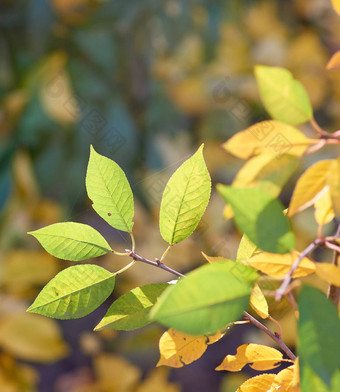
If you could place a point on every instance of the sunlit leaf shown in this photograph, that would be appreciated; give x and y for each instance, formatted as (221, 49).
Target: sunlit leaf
(185, 199)
(260, 383)
(72, 241)
(328, 272)
(246, 249)
(178, 349)
(284, 97)
(336, 5)
(277, 265)
(213, 259)
(259, 357)
(260, 217)
(284, 381)
(333, 180)
(269, 137)
(131, 310)
(258, 302)
(74, 292)
(32, 338)
(334, 62)
(110, 192)
(309, 185)
(207, 299)
(323, 209)
(318, 331)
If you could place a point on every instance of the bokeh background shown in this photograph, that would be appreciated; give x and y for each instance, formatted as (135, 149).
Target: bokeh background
(145, 82)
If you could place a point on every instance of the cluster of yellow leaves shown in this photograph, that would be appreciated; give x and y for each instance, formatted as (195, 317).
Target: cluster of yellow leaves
(178, 349)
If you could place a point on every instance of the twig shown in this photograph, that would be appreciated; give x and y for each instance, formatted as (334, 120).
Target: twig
(317, 127)
(275, 337)
(333, 292)
(154, 263)
(334, 247)
(284, 285)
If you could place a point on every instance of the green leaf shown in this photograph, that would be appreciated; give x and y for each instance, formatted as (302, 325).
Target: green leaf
(185, 199)
(74, 292)
(318, 335)
(72, 241)
(246, 249)
(131, 310)
(207, 299)
(260, 217)
(110, 192)
(284, 97)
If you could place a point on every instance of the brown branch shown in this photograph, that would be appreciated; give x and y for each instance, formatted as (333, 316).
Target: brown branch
(280, 292)
(333, 292)
(275, 337)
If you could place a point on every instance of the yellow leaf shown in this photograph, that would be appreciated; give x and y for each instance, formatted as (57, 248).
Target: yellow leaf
(333, 180)
(213, 259)
(334, 62)
(278, 265)
(259, 357)
(260, 383)
(268, 136)
(323, 209)
(178, 349)
(284, 381)
(115, 373)
(309, 186)
(336, 5)
(32, 337)
(211, 339)
(328, 272)
(258, 302)
(157, 381)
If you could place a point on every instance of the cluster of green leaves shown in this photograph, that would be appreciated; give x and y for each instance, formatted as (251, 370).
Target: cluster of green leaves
(218, 293)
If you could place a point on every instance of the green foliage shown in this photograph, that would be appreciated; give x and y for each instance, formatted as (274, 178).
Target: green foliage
(284, 97)
(207, 299)
(109, 189)
(260, 217)
(131, 310)
(72, 241)
(74, 292)
(185, 199)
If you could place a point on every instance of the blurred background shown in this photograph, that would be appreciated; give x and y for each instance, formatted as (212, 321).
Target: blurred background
(145, 82)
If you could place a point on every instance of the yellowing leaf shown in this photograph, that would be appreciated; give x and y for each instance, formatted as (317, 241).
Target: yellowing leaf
(157, 381)
(268, 136)
(260, 383)
(246, 249)
(309, 185)
(258, 302)
(336, 5)
(211, 339)
(178, 349)
(213, 259)
(334, 62)
(278, 265)
(328, 272)
(259, 357)
(333, 179)
(284, 381)
(31, 337)
(323, 209)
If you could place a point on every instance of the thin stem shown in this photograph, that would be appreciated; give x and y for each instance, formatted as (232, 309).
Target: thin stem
(334, 247)
(119, 253)
(275, 337)
(157, 264)
(333, 292)
(125, 268)
(133, 242)
(165, 253)
(280, 292)
(317, 127)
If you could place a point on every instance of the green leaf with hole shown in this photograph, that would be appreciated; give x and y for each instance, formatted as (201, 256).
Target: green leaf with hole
(131, 310)
(74, 292)
(207, 299)
(185, 199)
(318, 336)
(260, 217)
(284, 97)
(110, 191)
(72, 241)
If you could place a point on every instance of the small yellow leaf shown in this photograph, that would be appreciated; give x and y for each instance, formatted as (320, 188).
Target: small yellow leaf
(323, 209)
(336, 5)
(259, 357)
(328, 272)
(157, 381)
(260, 383)
(258, 302)
(284, 381)
(178, 349)
(309, 186)
(278, 265)
(333, 180)
(334, 62)
(213, 259)
(211, 339)
(268, 136)
(32, 337)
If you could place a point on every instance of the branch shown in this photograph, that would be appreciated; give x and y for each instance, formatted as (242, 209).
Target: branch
(284, 285)
(275, 337)
(333, 292)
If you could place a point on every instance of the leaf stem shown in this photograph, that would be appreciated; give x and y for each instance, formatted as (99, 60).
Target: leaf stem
(133, 242)
(275, 336)
(317, 127)
(165, 253)
(125, 268)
